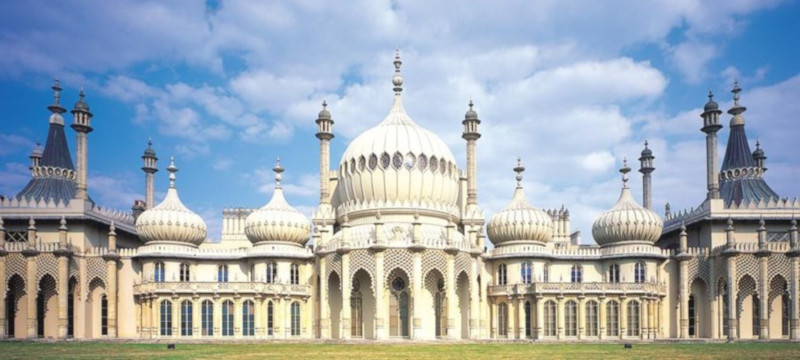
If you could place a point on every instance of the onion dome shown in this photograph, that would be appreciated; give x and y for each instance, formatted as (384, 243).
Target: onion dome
(37, 151)
(711, 105)
(277, 221)
(759, 153)
(324, 113)
(471, 113)
(397, 162)
(519, 220)
(646, 152)
(170, 221)
(627, 221)
(149, 152)
(81, 104)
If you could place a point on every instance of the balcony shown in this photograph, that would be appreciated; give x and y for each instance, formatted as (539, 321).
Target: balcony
(588, 288)
(169, 288)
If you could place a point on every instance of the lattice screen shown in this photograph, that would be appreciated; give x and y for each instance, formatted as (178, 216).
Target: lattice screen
(46, 263)
(16, 264)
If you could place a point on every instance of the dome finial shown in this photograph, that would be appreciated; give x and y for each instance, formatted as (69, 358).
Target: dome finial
(519, 169)
(172, 170)
(625, 170)
(397, 80)
(278, 169)
(736, 90)
(56, 107)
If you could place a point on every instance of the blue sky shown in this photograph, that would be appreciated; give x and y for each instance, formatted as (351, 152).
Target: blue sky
(571, 87)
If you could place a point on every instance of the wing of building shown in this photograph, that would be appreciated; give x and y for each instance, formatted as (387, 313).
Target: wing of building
(396, 249)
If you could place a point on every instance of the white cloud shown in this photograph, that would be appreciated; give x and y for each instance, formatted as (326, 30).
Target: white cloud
(11, 143)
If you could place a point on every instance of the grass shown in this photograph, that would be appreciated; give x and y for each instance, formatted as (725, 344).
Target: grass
(370, 351)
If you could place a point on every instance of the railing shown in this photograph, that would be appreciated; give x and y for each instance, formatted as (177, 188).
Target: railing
(272, 250)
(558, 288)
(514, 250)
(243, 288)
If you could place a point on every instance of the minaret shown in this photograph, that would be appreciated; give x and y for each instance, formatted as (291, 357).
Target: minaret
(760, 157)
(36, 155)
(149, 169)
(646, 168)
(471, 135)
(711, 126)
(324, 134)
(82, 126)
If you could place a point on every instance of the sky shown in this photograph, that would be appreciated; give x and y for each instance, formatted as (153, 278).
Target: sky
(570, 87)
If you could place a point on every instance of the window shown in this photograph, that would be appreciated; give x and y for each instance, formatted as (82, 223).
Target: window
(207, 318)
(103, 315)
(591, 318)
(550, 318)
(502, 320)
(613, 273)
(422, 162)
(526, 273)
(227, 318)
(640, 272)
(692, 316)
(222, 273)
(756, 317)
(501, 274)
(440, 309)
(724, 294)
(186, 317)
(295, 319)
(295, 274)
(546, 273)
(527, 319)
(184, 272)
(270, 318)
(785, 315)
(385, 160)
(356, 311)
(248, 318)
(397, 160)
(272, 272)
(158, 272)
(399, 309)
(411, 161)
(571, 318)
(373, 162)
(577, 274)
(612, 318)
(434, 164)
(633, 318)
(166, 318)
(70, 309)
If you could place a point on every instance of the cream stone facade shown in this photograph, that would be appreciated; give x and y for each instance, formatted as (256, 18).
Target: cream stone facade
(396, 249)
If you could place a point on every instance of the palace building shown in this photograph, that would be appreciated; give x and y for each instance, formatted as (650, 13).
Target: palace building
(397, 249)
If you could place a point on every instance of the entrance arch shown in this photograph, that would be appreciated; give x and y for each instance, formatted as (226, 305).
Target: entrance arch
(362, 306)
(335, 303)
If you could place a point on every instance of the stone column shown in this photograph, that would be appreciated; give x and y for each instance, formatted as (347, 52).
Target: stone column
(63, 280)
(217, 316)
(155, 326)
(176, 316)
(644, 322)
(237, 316)
(684, 297)
(111, 259)
(31, 292)
(794, 289)
(539, 317)
(601, 317)
(652, 320)
(417, 296)
(511, 319)
(763, 298)
(258, 302)
(450, 292)
(347, 288)
(581, 317)
(474, 301)
(197, 317)
(623, 317)
(3, 253)
(732, 289)
(521, 317)
(324, 318)
(560, 317)
(380, 296)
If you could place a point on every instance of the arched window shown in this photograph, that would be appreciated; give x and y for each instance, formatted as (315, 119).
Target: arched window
(528, 319)
(756, 317)
(356, 311)
(207, 318)
(158, 272)
(633, 318)
(227, 318)
(612, 318)
(550, 318)
(398, 308)
(440, 309)
(546, 273)
(270, 318)
(640, 272)
(785, 314)
(103, 315)
(248, 318)
(591, 318)
(526, 273)
(571, 318)
(576, 274)
(166, 318)
(692, 316)
(724, 294)
(222, 273)
(70, 309)
(272, 272)
(502, 320)
(294, 274)
(186, 318)
(185, 272)
(501, 275)
(613, 273)
(295, 319)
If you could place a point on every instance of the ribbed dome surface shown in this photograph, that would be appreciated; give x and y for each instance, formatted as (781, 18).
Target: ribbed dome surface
(277, 221)
(626, 221)
(520, 221)
(170, 221)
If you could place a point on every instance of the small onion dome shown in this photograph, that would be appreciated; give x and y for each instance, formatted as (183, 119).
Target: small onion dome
(81, 104)
(277, 221)
(646, 152)
(170, 221)
(519, 220)
(471, 113)
(324, 113)
(149, 152)
(37, 150)
(627, 221)
(759, 153)
(711, 105)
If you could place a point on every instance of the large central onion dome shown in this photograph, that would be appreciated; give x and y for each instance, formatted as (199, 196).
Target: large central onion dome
(627, 222)
(277, 221)
(397, 164)
(170, 222)
(520, 221)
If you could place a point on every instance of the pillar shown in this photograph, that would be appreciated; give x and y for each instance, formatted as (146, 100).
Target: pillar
(732, 290)
(258, 302)
(3, 254)
(644, 321)
(763, 298)
(452, 300)
(346, 331)
(521, 317)
(601, 317)
(416, 275)
(155, 326)
(111, 293)
(31, 291)
(474, 301)
(324, 319)
(237, 317)
(539, 317)
(380, 296)
(560, 318)
(623, 317)
(581, 317)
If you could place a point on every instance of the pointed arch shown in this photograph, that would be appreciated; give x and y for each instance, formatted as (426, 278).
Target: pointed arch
(47, 307)
(16, 307)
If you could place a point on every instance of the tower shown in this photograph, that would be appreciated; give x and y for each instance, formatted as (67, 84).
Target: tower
(324, 134)
(82, 126)
(760, 157)
(149, 167)
(471, 135)
(711, 126)
(646, 168)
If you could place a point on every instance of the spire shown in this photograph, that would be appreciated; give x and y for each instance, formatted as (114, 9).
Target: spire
(519, 169)
(172, 170)
(737, 109)
(278, 169)
(56, 107)
(625, 170)
(397, 80)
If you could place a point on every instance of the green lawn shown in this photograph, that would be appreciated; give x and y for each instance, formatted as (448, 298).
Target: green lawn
(370, 351)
